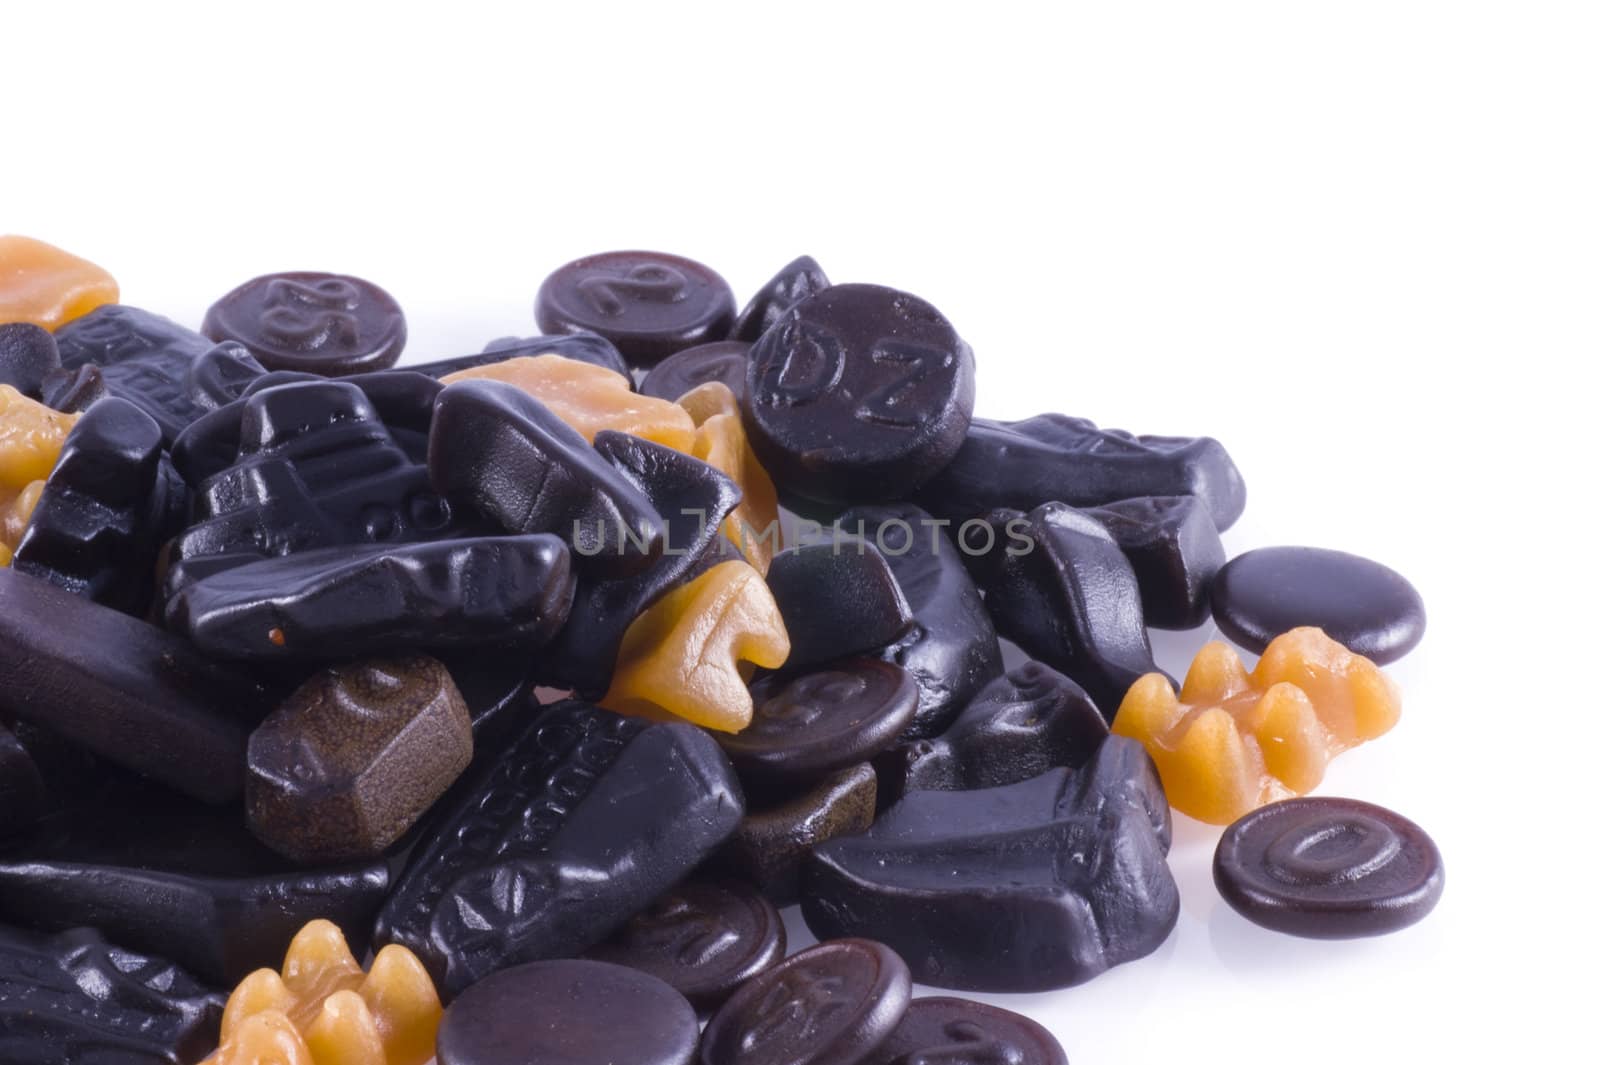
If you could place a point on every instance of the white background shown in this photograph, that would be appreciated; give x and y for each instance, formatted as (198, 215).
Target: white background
(1357, 242)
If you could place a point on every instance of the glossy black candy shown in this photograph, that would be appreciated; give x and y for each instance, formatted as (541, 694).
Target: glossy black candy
(584, 347)
(692, 499)
(143, 357)
(1021, 724)
(27, 355)
(1071, 601)
(808, 725)
(1053, 458)
(838, 597)
(956, 1031)
(107, 509)
(774, 839)
(831, 1005)
(329, 324)
(799, 280)
(574, 1012)
(584, 821)
(23, 797)
(128, 691)
(74, 999)
(73, 391)
(1172, 545)
(649, 304)
(952, 649)
(703, 937)
(498, 451)
(1025, 887)
(222, 374)
(1328, 868)
(727, 361)
(341, 602)
(858, 394)
(159, 872)
(1364, 605)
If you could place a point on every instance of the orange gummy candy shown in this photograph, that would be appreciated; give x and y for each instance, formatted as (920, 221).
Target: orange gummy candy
(590, 398)
(31, 437)
(42, 284)
(720, 441)
(323, 1010)
(688, 657)
(1238, 740)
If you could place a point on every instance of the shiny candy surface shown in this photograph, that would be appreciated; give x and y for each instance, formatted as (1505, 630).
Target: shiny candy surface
(649, 304)
(797, 281)
(1175, 551)
(858, 394)
(839, 598)
(720, 442)
(954, 1031)
(1235, 740)
(726, 361)
(44, 285)
(1328, 868)
(329, 324)
(31, 438)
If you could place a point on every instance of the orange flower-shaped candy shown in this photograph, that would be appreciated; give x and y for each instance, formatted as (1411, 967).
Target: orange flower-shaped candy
(42, 284)
(323, 1010)
(1236, 740)
(31, 437)
(720, 441)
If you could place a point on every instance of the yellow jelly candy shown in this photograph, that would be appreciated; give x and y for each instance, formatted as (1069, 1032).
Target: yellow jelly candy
(689, 656)
(323, 1010)
(590, 398)
(1234, 740)
(31, 436)
(42, 284)
(720, 441)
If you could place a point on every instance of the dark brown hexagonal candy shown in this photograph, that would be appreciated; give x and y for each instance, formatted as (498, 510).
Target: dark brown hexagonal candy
(352, 759)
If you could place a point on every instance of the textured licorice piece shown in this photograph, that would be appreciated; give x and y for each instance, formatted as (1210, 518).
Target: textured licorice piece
(330, 324)
(838, 598)
(1172, 545)
(727, 361)
(799, 280)
(27, 355)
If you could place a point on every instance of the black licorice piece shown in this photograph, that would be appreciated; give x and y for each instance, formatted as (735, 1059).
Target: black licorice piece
(76, 999)
(704, 938)
(837, 598)
(692, 499)
(143, 357)
(808, 725)
(1071, 600)
(23, 795)
(330, 324)
(727, 361)
(952, 649)
(1021, 724)
(498, 451)
(1362, 604)
(831, 1005)
(350, 761)
(582, 346)
(159, 872)
(315, 466)
(1053, 458)
(341, 602)
(107, 509)
(222, 374)
(128, 691)
(587, 818)
(858, 394)
(570, 1012)
(27, 356)
(773, 841)
(1027, 887)
(1172, 545)
(955, 1031)
(1328, 868)
(73, 391)
(649, 304)
(799, 280)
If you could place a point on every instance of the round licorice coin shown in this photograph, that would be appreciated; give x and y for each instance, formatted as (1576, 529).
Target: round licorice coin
(575, 1012)
(831, 1005)
(704, 938)
(858, 394)
(795, 282)
(807, 726)
(957, 1031)
(1368, 607)
(680, 374)
(649, 304)
(328, 324)
(1328, 868)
